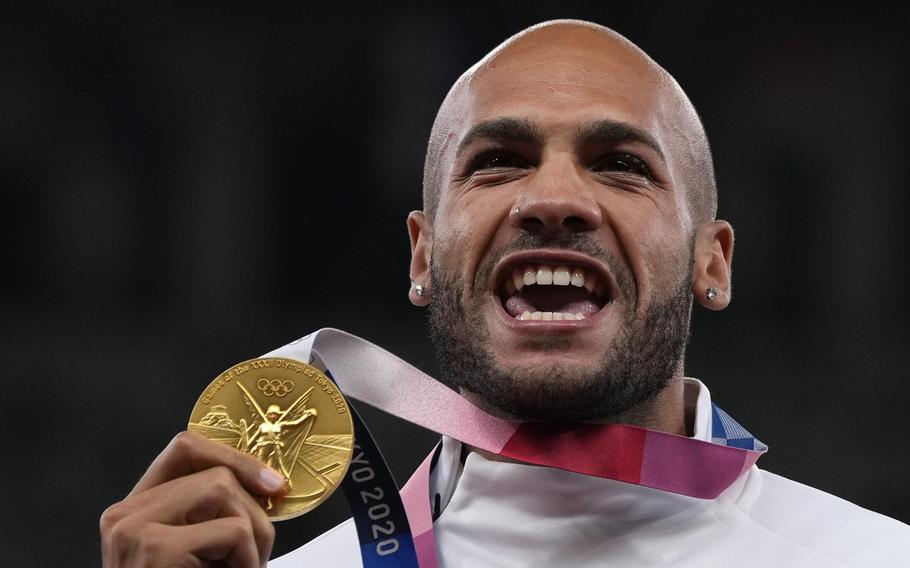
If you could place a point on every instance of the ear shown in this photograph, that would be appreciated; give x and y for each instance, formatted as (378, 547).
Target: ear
(713, 264)
(420, 229)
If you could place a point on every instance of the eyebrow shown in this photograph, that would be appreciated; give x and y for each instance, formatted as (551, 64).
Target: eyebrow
(603, 132)
(505, 129)
(606, 132)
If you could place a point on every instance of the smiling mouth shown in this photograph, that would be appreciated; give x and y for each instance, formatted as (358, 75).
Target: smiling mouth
(552, 292)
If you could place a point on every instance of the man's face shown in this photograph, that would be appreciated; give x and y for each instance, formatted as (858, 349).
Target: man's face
(561, 170)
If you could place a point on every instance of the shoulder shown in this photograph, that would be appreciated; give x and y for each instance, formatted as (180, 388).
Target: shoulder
(337, 547)
(823, 523)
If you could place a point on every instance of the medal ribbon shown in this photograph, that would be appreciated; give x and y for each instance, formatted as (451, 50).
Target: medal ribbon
(380, 517)
(678, 464)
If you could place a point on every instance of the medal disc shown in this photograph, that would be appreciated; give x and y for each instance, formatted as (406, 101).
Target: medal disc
(291, 417)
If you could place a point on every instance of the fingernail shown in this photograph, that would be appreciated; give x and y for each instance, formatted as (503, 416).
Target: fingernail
(271, 480)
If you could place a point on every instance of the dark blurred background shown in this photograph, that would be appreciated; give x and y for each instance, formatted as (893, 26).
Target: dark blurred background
(185, 187)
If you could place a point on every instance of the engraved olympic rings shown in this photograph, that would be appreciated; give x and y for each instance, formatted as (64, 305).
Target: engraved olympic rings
(274, 387)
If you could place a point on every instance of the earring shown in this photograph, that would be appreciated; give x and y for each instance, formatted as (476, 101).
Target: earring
(418, 289)
(711, 294)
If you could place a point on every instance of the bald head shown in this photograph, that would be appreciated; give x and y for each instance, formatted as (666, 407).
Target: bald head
(572, 51)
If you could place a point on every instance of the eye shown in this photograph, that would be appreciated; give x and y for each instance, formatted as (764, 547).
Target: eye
(496, 160)
(623, 163)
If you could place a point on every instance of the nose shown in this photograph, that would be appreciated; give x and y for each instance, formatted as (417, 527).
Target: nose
(555, 206)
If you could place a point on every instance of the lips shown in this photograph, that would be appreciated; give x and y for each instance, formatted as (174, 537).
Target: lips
(552, 286)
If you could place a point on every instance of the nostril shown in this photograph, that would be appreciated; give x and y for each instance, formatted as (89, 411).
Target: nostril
(532, 224)
(576, 224)
(554, 216)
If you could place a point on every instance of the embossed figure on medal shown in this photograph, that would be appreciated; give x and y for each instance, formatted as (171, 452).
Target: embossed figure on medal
(311, 450)
(267, 442)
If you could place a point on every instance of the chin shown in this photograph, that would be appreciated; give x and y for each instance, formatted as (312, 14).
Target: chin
(549, 370)
(552, 390)
(539, 354)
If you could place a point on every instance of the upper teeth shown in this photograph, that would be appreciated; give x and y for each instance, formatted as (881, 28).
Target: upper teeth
(547, 275)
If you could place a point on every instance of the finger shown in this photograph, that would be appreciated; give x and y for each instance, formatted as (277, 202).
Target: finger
(190, 453)
(203, 496)
(240, 503)
(227, 540)
(263, 529)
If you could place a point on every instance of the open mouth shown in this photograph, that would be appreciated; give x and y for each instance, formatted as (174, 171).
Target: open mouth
(552, 289)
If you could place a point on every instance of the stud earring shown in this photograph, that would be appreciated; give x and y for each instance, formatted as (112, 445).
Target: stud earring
(711, 294)
(418, 289)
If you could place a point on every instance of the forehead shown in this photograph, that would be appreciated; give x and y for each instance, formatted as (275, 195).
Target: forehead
(566, 80)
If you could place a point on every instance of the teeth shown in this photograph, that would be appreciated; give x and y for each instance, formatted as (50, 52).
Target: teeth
(544, 276)
(548, 316)
(561, 276)
(518, 280)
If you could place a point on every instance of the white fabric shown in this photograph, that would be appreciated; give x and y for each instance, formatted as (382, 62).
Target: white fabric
(509, 515)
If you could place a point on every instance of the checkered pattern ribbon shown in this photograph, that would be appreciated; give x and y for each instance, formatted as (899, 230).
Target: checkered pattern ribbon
(728, 432)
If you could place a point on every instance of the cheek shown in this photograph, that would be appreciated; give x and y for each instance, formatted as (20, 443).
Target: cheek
(471, 225)
(669, 258)
(658, 250)
(456, 251)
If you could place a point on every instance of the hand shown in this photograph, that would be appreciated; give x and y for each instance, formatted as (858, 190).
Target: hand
(195, 506)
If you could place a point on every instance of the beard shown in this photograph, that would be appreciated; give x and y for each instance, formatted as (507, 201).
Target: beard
(639, 363)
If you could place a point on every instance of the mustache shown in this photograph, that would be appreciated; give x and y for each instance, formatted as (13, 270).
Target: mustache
(575, 242)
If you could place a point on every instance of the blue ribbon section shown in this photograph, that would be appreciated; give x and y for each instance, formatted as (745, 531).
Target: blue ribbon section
(728, 432)
(373, 498)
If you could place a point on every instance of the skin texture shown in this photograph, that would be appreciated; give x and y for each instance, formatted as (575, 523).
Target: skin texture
(199, 503)
(637, 365)
(552, 189)
(685, 132)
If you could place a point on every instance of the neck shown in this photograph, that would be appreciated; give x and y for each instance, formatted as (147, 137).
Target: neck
(665, 413)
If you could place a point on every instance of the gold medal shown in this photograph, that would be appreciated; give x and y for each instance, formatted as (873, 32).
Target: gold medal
(291, 417)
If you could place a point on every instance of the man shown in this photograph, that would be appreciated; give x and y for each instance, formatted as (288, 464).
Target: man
(568, 225)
